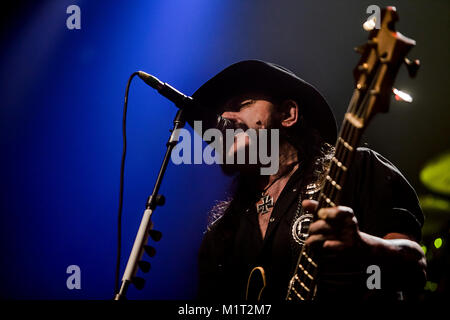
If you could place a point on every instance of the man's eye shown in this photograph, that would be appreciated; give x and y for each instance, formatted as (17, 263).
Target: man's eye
(246, 104)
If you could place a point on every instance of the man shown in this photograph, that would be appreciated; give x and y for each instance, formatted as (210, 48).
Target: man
(378, 223)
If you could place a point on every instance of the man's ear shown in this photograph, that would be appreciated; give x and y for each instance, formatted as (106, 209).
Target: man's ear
(290, 113)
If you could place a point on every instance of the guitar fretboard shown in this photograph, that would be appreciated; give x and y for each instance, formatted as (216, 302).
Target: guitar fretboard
(381, 57)
(303, 284)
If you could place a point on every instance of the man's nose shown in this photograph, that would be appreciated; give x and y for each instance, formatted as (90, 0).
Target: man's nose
(234, 118)
(230, 115)
(231, 120)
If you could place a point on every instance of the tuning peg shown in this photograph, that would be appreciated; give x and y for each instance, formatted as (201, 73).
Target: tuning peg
(138, 282)
(412, 66)
(370, 24)
(144, 265)
(150, 250)
(155, 235)
(363, 67)
(360, 49)
(402, 96)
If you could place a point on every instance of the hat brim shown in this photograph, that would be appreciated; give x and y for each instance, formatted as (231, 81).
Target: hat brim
(264, 77)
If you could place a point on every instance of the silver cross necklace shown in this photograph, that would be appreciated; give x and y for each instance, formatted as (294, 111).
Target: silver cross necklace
(266, 199)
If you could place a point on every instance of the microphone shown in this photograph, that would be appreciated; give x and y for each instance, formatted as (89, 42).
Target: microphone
(183, 101)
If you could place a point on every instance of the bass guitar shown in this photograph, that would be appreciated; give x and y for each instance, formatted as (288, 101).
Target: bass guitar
(374, 75)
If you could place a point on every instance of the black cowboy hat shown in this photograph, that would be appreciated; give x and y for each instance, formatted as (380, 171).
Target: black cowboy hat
(268, 78)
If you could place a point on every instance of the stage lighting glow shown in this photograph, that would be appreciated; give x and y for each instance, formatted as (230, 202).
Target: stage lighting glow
(424, 248)
(435, 176)
(402, 96)
(431, 286)
(370, 24)
(438, 243)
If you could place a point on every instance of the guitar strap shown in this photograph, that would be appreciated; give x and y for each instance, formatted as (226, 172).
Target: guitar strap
(302, 219)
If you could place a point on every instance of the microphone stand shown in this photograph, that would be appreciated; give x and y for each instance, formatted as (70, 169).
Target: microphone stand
(145, 228)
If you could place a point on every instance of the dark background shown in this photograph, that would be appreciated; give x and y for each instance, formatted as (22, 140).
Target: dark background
(60, 124)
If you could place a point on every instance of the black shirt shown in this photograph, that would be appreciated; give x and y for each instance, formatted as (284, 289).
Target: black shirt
(382, 200)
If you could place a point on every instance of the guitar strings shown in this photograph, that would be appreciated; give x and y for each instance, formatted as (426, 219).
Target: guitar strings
(348, 130)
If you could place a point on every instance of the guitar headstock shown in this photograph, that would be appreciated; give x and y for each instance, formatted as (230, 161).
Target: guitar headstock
(381, 57)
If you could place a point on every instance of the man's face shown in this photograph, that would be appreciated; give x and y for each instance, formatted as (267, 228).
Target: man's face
(247, 111)
(254, 111)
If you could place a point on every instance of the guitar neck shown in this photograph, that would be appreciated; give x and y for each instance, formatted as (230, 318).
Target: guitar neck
(345, 148)
(303, 283)
(381, 57)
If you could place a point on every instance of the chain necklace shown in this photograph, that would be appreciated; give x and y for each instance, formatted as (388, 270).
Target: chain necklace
(266, 199)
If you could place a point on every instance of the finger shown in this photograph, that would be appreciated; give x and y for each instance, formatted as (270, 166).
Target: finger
(334, 245)
(315, 240)
(319, 239)
(335, 214)
(309, 205)
(320, 227)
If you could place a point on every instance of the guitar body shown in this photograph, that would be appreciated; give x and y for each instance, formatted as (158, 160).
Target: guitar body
(256, 284)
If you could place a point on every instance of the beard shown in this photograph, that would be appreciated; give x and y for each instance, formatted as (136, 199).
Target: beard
(250, 151)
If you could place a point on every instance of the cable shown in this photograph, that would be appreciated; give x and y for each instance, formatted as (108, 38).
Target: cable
(122, 172)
